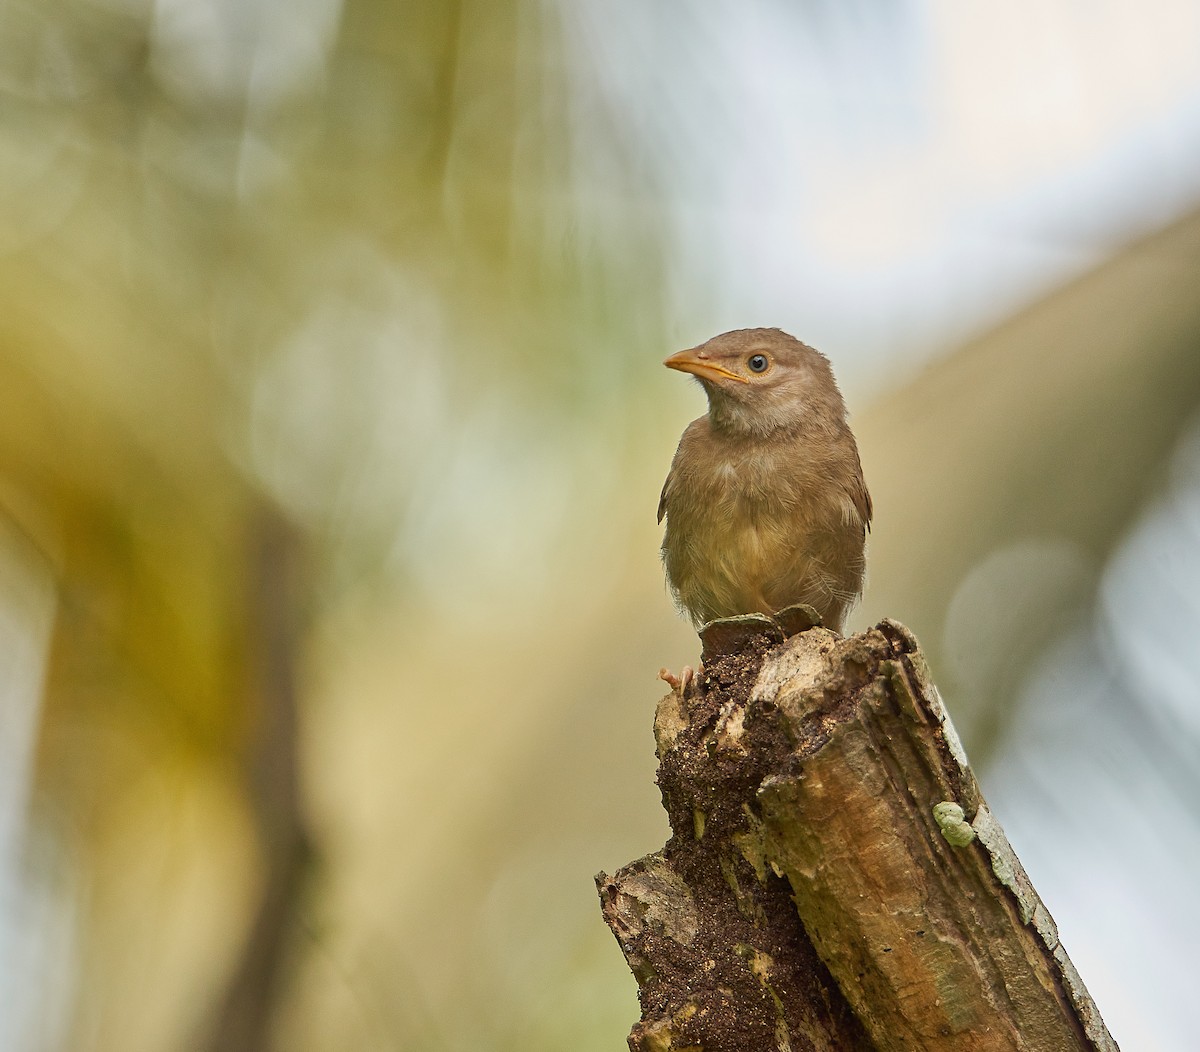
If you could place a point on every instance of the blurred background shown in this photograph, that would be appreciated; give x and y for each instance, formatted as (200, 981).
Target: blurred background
(332, 426)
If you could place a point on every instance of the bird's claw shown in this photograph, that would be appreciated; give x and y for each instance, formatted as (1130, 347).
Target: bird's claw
(680, 683)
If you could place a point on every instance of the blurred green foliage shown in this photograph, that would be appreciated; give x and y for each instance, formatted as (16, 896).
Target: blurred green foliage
(330, 279)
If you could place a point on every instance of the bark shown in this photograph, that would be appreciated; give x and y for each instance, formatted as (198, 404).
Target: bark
(834, 879)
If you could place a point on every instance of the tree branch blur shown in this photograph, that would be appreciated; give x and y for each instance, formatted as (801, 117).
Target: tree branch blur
(1026, 455)
(276, 584)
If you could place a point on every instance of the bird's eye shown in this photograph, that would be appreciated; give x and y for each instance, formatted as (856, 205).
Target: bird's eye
(758, 363)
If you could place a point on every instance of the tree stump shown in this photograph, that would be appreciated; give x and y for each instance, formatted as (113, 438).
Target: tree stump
(834, 878)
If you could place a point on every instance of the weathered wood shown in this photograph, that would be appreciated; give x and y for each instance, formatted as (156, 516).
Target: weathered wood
(834, 879)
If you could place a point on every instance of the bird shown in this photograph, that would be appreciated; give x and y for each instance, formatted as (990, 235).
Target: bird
(765, 502)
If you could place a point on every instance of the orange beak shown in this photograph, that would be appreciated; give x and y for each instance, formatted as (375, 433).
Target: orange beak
(696, 362)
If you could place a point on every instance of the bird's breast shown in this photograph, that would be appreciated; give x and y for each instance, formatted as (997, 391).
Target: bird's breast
(747, 513)
(746, 488)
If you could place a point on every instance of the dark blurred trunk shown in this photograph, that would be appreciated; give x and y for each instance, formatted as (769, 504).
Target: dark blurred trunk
(274, 563)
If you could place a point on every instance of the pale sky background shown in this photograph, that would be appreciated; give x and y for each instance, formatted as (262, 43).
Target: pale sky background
(884, 178)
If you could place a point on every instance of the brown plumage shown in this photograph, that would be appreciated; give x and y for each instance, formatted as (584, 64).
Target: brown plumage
(765, 501)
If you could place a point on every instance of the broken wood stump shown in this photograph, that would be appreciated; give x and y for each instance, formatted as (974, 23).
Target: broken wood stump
(834, 878)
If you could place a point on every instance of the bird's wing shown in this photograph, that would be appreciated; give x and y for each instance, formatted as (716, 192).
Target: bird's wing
(861, 498)
(694, 435)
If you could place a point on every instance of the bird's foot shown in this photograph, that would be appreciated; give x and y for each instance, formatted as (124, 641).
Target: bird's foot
(681, 683)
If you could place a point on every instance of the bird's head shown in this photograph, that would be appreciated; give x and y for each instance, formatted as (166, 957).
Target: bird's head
(761, 380)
